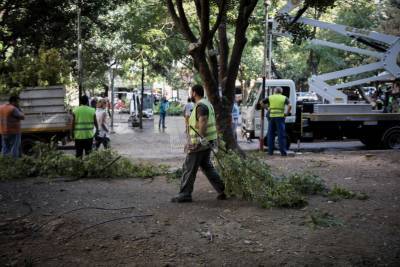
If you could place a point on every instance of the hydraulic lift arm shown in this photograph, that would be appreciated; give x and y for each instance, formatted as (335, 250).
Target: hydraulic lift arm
(386, 50)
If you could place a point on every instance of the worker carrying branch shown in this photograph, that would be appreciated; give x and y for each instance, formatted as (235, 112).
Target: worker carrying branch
(202, 137)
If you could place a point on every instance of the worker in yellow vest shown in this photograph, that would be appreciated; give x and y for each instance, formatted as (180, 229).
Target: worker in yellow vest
(202, 137)
(276, 104)
(83, 124)
(10, 127)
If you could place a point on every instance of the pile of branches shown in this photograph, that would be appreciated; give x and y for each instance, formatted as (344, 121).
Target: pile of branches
(47, 161)
(250, 179)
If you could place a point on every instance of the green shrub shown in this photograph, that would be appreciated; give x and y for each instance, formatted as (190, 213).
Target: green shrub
(175, 109)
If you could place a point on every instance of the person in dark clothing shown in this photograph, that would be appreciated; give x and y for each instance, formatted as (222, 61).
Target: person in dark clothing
(202, 136)
(164, 105)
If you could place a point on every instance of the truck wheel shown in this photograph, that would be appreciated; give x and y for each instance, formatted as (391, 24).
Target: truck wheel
(27, 146)
(391, 138)
(372, 142)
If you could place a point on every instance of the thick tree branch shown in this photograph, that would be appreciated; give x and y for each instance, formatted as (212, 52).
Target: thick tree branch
(223, 51)
(184, 22)
(198, 8)
(246, 7)
(181, 22)
(213, 60)
(221, 14)
(204, 24)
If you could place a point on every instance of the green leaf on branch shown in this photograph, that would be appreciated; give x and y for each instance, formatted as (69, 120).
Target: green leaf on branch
(47, 161)
(250, 179)
(319, 219)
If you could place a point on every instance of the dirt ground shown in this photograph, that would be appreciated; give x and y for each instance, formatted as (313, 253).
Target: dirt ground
(206, 232)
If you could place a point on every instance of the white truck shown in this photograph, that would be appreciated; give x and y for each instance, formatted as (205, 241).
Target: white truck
(46, 118)
(335, 117)
(309, 121)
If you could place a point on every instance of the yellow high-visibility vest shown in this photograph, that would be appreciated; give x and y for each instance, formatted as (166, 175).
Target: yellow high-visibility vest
(84, 122)
(277, 106)
(211, 133)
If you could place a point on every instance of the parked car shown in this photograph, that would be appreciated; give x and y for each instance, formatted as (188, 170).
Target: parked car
(307, 96)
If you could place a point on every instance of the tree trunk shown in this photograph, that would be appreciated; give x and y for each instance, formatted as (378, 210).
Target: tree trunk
(218, 74)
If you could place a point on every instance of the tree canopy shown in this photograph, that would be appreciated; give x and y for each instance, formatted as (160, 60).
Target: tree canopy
(218, 42)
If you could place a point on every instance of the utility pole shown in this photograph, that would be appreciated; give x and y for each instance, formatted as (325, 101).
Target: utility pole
(266, 30)
(80, 87)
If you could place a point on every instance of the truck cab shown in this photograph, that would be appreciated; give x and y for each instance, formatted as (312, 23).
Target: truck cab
(250, 110)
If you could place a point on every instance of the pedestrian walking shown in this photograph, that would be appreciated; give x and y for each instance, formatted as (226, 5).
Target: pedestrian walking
(187, 110)
(164, 105)
(235, 118)
(83, 123)
(203, 136)
(276, 104)
(103, 134)
(10, 127)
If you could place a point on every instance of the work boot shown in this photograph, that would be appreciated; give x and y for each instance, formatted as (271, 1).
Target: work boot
(181, 199)
(222, 196)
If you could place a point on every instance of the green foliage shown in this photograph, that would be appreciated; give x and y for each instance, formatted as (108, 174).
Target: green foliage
(250, 179)
(47, 161)
(283, 194)
(340, 193)
(306, 183)
(28, 25)
(175, 109)
(337, 193)
(175, 176)
(14, 169)
(299, 31)
(47, 68)
(318, 219)
(390, 17)
(320, 5)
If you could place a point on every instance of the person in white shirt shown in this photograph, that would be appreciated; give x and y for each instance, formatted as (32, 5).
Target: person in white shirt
(101, 116)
